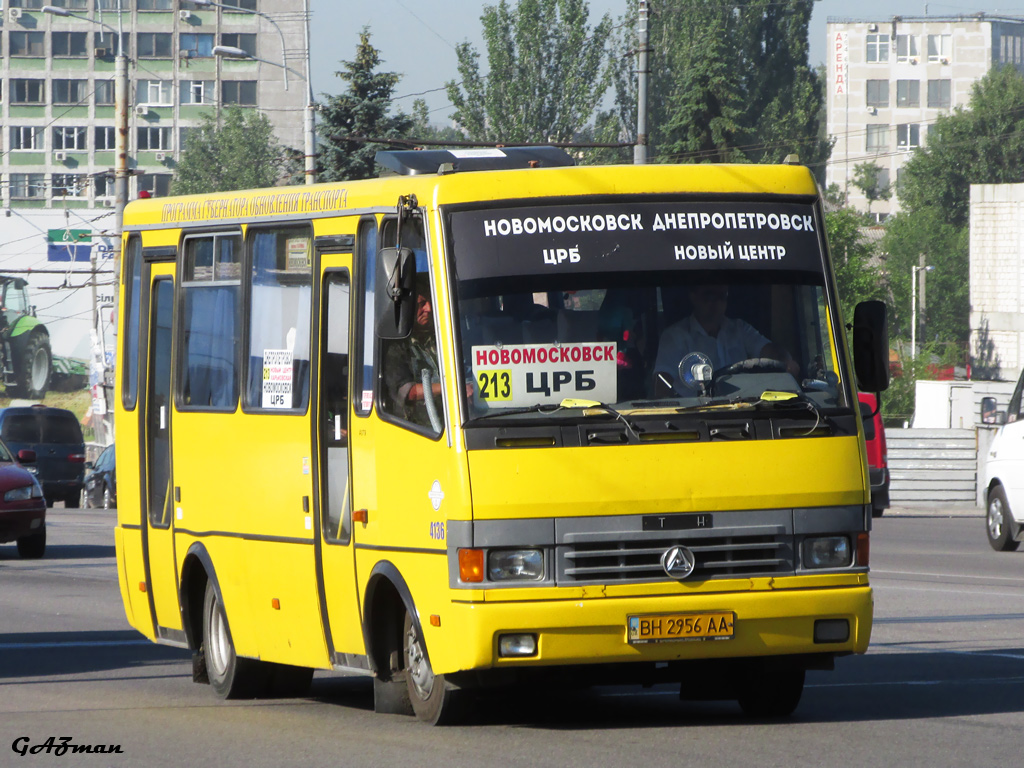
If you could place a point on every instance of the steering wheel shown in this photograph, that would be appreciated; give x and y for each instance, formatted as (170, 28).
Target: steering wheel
(753, 365)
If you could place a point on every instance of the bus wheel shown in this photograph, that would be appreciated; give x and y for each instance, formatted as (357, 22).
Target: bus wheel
(772, 689)
(433, 700)
(231, 677)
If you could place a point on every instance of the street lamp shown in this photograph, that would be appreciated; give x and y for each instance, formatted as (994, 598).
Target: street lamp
(230, 52)
(309, 148)
(913, 305)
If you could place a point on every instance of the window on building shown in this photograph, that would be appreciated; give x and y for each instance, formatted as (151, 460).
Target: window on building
(69, 185)
(940, 47)
(197, 92)
(156, 184)
(103, 138)
(106, 44)
(155, 92)
(249, 5)
(29, 5)
(877, 138)
(27, 43)
(103, 186)
(69, 137)
(71, 5)
(70, 44)
(279, 334)
(25, 186)
(247, 42)
(183, 136)
(878, 93)
(156, 5)
(70, 91)
(154, 45)
(198, 45)
(104, 93)
(241, 92)
(211, 311)
(938, 93)
(882, 181)
(153, 139)
(908, 93)
(906, 47)
(23, 91)
(908, 136)
(878, 48)
(28, 137)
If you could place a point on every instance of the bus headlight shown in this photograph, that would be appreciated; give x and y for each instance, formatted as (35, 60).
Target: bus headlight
(827, 552)
(515, 565)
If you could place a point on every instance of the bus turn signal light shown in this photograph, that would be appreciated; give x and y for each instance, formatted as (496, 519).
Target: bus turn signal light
(863, 548)
(471, 565)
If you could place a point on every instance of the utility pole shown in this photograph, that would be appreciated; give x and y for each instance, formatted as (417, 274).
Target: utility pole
(643, 70)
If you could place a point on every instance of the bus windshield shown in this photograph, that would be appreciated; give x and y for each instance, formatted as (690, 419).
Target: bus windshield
(644, 305)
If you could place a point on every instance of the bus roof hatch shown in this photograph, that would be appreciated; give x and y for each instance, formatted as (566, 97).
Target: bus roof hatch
(415, 162)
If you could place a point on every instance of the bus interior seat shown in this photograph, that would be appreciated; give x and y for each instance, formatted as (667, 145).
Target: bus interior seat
(577, 325)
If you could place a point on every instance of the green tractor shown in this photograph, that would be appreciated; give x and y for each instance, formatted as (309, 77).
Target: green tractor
(27, 361)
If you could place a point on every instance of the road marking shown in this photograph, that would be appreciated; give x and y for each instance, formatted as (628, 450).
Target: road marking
(986, 593)
(945, 575)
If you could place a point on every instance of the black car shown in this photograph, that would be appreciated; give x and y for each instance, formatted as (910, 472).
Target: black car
(56, 437)
(100, 488)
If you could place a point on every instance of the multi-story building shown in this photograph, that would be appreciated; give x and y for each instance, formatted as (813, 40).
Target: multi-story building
(58, 89)
(58, 126)
(888, 81)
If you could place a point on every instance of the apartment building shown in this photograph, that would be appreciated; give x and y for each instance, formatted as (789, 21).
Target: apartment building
(888, 81)
(57, 110)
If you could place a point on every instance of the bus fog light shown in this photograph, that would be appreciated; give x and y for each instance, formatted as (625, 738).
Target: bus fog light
(831, 631)
(515, 565)
(517, 645)
(827, 552)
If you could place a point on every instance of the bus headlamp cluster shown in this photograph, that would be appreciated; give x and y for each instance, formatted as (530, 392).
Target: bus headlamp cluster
(515, 565)
(827, 552)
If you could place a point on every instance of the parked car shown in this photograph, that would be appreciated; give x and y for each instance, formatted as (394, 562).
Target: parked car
(56, 438)
(878, 459)
(100, 488)
(1004, 473)
(22, 507)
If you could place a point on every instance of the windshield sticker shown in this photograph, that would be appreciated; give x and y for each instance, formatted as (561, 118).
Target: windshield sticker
(277, 378)
(517, 375)
(635, 236)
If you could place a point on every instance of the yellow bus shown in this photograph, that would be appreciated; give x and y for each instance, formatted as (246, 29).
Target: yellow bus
(491, 419)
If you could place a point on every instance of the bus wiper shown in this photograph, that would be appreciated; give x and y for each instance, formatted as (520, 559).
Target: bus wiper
(796, 400)
(597, 405)
(544, 408)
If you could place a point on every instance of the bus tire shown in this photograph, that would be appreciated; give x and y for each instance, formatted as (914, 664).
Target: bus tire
(771, 689)
(232, 677)
(433, 700)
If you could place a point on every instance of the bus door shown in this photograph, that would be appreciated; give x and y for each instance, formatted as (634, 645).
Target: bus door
(339, 603)
(157, 504)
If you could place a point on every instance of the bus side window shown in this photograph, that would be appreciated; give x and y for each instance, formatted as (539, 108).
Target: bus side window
(364, 286)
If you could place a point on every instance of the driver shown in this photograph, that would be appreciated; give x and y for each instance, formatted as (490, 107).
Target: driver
(725, 340)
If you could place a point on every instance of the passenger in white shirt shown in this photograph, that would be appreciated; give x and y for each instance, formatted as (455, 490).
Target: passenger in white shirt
(723, 339)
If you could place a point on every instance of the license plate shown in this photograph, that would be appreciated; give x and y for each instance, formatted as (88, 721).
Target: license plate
(670, 627)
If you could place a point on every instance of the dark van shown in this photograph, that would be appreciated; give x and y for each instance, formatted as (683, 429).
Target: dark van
(56, 437)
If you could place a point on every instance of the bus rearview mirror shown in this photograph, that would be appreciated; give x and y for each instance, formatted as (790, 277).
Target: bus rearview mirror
(395, 292)
(871, 346)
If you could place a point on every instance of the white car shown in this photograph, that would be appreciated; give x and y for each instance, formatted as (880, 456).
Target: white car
(1004, 473)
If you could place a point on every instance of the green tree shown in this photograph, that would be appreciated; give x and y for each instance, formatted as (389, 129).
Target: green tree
(547, 73)
(422, 130)
(858, 273)
(867, 178)
(240, 153)
(362, 112)
(980, 144)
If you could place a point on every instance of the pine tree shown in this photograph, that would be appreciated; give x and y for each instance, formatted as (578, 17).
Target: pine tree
(362, 112)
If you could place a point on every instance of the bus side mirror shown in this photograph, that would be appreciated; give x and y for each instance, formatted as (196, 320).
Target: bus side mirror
(395, 296)
(868, 416)
(871, 346)
(990, 413)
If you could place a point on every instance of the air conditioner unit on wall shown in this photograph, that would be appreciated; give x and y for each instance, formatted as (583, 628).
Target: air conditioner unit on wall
(14, 13)
(184, 15)
(59, 156)
(872, 27)
(141, 109)
(108, 203)
(872, 110)
(100, 53)
(161, 156)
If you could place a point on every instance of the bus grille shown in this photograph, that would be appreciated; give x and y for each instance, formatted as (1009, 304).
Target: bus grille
(739, 554)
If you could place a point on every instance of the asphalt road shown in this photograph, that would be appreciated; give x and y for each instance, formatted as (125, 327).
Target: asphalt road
(942, 685)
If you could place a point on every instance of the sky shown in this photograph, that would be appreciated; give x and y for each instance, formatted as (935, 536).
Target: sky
(417, 38)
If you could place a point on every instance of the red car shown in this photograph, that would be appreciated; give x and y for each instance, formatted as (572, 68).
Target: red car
(22, 506)
(878, 461)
